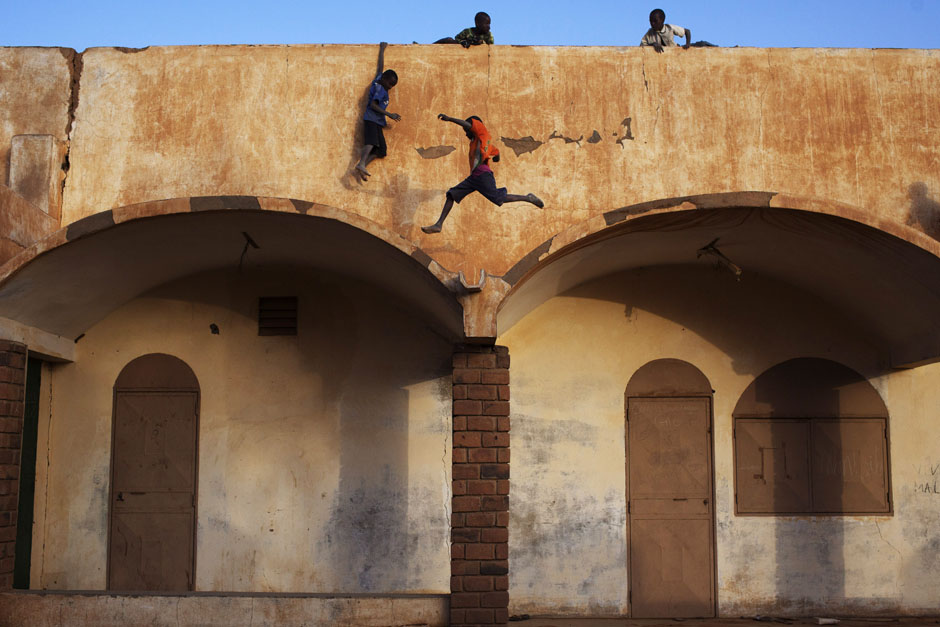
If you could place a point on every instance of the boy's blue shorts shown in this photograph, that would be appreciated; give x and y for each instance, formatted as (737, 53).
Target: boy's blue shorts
(484, 182)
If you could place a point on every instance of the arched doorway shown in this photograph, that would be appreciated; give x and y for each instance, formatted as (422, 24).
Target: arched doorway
(151, 530)
(670, 504)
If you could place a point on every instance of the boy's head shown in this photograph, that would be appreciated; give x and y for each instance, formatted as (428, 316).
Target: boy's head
(481, 22)
(389, 79)
(657, 19)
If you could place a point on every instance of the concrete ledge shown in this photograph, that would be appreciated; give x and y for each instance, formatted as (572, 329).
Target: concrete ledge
(102, 609)
(43, 343)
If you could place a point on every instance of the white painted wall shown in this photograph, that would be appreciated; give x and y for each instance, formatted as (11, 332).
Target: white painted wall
(571, 360)
(324, 459)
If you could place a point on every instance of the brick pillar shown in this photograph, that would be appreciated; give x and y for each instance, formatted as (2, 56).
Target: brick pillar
(479, 581)
(12, 378)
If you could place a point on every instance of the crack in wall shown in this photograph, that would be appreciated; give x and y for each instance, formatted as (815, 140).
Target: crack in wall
(76, 65)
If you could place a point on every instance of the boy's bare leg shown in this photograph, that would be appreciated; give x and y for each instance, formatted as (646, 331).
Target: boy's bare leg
(436, 227)
(364, 160)
(529, 198)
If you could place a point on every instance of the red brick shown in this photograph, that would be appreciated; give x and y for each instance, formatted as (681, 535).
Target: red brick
(457, 551)
(7, 564)
(480, 551)
(459, 456)
(495, 377)
(12, 409)
(6, 518)
(459, 488)
(502, 551)
(14, 360)
(503, 393)
(494, 471)
(460, 392)
(495, 599)
(11, 425)
(11, 375)
(481, 360)
(467, 439)
(478, 584)
(502, 361)
(8, 534)
(466, 471)
(502, 519)
(481, 423)
(501, 615)
(460, 360)
(496, 439)
(10, 346)
(484, 455)
(502, 423)
(8, 487)
(484, 486)
(7, 549)
(482, 392)
(466, 504)
(8, 502)
(456, 584)
(11, 392)
(465, 599)
(480, 617)
(502, 486)
(458, 617)
(496, 534)
(466, 375)
(9, 456)
(494, 567)
(496, 408)
(458, 520)
(9, 440)
(464, 567)
(497, 503)
(468, 408)
(481, 519)
(10, 471)
(460, 423)
(503, 455)
(501, 583)
(465, 535)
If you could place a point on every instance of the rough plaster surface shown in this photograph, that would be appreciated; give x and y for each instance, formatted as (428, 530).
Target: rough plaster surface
(572, 360)
(849, 126)
(324, 459)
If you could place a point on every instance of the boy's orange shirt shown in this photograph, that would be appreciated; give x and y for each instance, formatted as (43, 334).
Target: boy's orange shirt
(482, 147)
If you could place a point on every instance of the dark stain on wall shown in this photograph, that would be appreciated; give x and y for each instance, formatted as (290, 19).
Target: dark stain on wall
(924, 212)
(435, 152)
(521, 145)
(594, 138)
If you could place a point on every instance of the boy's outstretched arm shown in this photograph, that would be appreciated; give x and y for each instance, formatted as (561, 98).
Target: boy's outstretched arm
(462, 123)
(374, 105)
(381, 67)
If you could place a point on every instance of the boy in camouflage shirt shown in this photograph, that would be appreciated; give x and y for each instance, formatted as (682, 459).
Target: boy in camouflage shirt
(473, 36)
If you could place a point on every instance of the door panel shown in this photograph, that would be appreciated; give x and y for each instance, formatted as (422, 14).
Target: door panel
(153, 491)
(670, 507)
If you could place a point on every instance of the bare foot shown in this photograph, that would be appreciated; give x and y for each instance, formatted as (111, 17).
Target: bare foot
(361, 170)
(434, 228)
(535, 200)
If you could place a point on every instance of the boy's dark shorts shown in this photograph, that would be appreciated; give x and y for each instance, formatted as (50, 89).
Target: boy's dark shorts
(373, 136)
(485, 183)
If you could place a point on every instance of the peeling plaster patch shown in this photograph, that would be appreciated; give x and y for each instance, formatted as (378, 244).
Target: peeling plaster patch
(521, 145)
(89, 225)
(568, 140)
(627, 122)
(594, 138)
(527, 263)
(213, 203)
(435, 152)
(301, 206)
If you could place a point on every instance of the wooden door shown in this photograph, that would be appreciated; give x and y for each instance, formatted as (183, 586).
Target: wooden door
(153, 486)
(669, 506)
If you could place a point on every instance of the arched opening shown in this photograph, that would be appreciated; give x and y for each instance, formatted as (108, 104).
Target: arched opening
(670, 504)
(155, 432)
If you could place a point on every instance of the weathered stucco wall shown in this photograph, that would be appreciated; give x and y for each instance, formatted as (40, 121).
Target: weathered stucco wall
(324, 459)
(572, 359)
(588, 129)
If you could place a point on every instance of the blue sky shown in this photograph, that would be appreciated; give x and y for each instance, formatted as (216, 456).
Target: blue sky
(783, 23)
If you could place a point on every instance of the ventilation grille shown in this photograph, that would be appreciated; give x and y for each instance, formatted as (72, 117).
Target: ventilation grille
(277, 316)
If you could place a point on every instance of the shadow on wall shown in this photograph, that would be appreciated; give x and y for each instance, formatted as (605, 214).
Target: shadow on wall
(925, 211)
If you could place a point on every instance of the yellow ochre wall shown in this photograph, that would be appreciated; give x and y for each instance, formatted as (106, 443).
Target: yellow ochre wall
(324, 459)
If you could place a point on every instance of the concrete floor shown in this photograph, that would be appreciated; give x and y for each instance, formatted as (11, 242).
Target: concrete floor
(722, 622)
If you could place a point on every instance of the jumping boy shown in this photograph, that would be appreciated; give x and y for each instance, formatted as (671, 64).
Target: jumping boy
(476, 35)
(661, 34)
(374, 117)
(481, 179)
